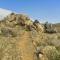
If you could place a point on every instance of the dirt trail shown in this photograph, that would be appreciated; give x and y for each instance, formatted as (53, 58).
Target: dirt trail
(26, 47)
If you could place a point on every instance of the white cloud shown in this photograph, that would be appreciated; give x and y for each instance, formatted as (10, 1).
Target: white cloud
(4, 13)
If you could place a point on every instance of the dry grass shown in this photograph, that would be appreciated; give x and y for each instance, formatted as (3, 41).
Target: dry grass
(23, 45)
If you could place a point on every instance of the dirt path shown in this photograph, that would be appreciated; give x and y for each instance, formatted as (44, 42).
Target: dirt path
(26, 47)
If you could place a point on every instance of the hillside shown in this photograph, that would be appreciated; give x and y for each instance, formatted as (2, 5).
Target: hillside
(24, 39)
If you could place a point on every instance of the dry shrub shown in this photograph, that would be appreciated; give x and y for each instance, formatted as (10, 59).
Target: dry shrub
(51, 53)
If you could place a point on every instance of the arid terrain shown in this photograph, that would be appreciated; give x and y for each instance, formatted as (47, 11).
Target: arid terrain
(24, 39)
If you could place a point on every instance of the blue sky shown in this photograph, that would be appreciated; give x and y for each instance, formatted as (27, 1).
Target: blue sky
(43, 10)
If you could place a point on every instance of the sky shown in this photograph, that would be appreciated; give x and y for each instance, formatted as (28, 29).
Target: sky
(42, 10)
